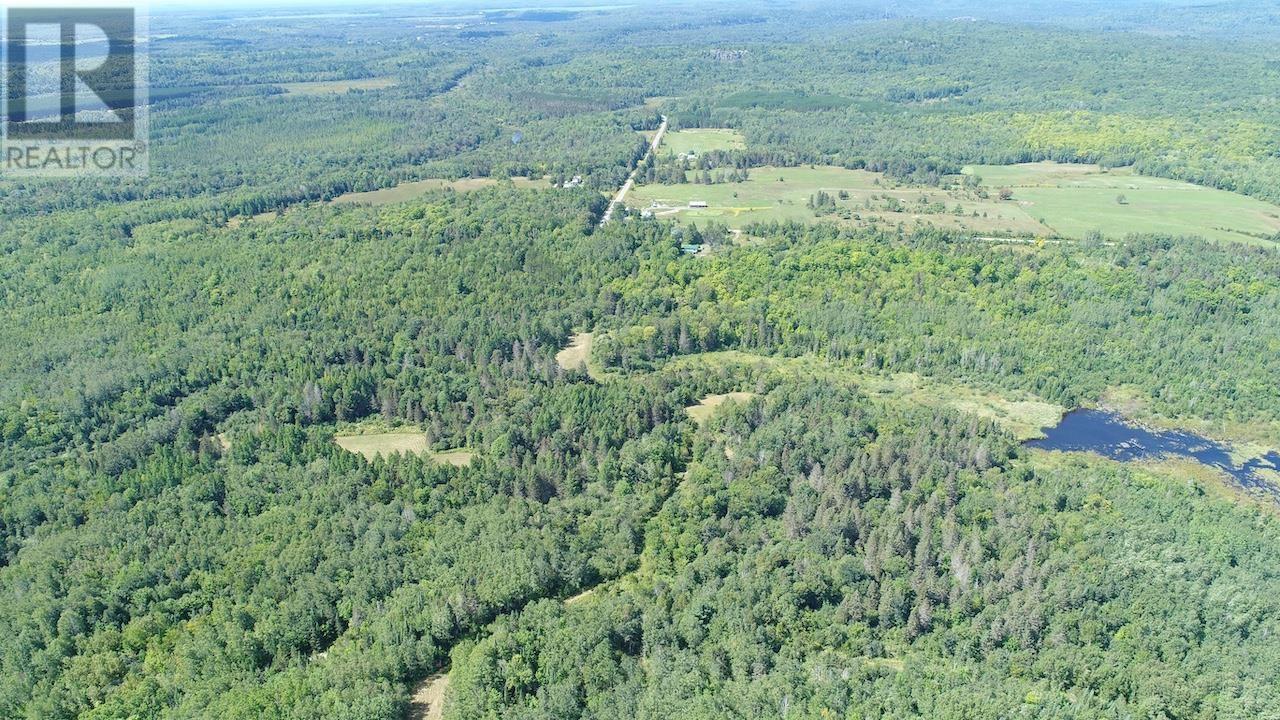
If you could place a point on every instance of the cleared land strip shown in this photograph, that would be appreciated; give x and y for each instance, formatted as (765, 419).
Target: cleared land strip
(577, 355)
(386, 444)
(631, 179)
(427, 702)
(706, 407)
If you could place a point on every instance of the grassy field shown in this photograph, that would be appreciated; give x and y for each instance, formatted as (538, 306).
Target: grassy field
(418, 188)
(706, 407)
(1024, 417)
(1076, 199)
(700, 140)
(783, 194)
(390, 443)
(1049, 200)
(457, 457)
(371, 445)
(576, 353)
(332, 87)
(657, 101)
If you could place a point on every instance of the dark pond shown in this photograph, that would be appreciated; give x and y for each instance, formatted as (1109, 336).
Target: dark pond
(1110, 435)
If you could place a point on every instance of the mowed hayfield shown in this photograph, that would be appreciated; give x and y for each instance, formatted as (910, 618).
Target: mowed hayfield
(1050, 200)
(782, 194)
(386, 444)
(576, 355)
(700, 140)
(1077, 199)
(412, 190)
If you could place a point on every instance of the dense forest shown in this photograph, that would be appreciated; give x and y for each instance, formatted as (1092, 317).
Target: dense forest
(1063, 323)
(180, 536)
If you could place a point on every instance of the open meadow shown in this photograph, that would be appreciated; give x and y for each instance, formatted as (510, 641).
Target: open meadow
(700, 140)
(707, 406)
(386, 444)
(1045, 199)
(1074, 200)
(783, 194)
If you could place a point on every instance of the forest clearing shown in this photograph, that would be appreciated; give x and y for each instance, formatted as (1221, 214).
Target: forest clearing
(577, 353)
(1022, 415)
(427, 701)
(386, 444)
(708, 405)
(1048, 200)
(701, 140)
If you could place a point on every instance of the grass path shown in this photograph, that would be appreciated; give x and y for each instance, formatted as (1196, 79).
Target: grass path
(427, 702)
(580, 597)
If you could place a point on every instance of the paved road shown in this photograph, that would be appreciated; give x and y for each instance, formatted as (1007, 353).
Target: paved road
(631, 179)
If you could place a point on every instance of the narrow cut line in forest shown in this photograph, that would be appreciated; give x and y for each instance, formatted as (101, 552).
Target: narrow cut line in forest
(427, 701)
(397, 193)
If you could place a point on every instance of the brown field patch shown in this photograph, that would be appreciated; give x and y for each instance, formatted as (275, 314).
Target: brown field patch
(706, 407)
(575, 355)
(386, 444)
